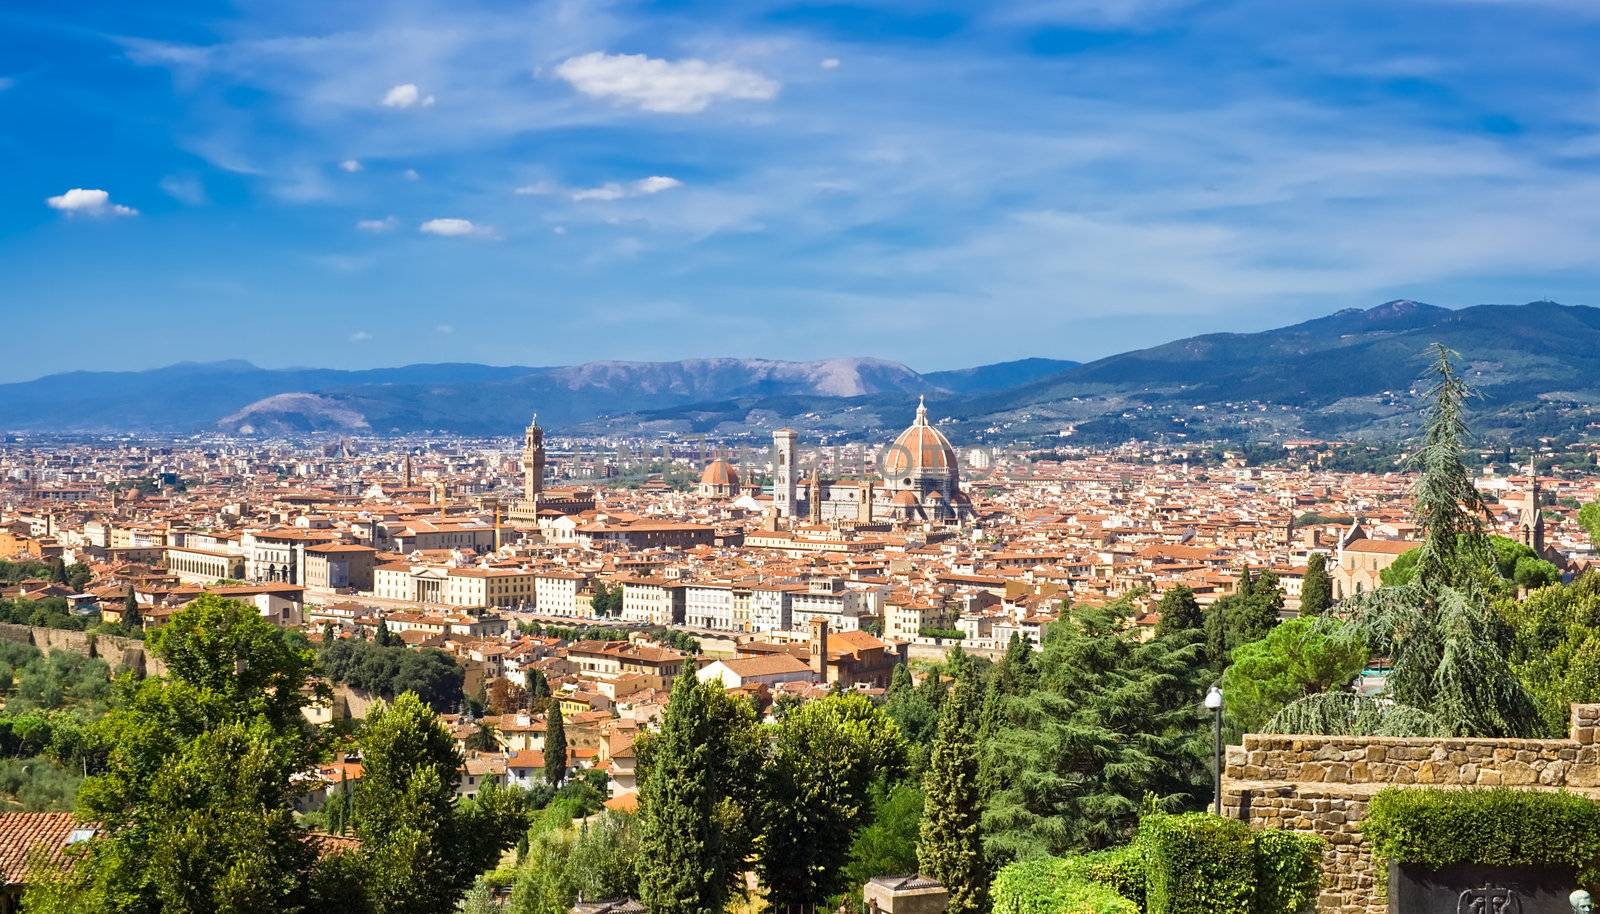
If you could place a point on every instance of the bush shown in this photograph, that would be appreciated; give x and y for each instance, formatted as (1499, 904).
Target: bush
(1197, 862)
(1288, 872)
(1488, 827)
(1121, 869)
(1044, 885)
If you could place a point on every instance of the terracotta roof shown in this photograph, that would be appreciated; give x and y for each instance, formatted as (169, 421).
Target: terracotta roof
(22, 832)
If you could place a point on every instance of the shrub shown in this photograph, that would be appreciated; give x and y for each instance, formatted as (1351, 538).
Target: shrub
(1488, 827)
(1043, 886)
(1197, 862)
(1288, 872)
(1122, 869)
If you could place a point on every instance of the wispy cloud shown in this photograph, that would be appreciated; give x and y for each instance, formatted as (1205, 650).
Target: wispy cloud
(613, 190)
(406, 95)
(378, 226)
(454, 228)
(350, 166)
(185, 189)
(360, 336)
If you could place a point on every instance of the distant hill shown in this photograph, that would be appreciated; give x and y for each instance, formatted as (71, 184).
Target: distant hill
(999, 376)
(1351, 373)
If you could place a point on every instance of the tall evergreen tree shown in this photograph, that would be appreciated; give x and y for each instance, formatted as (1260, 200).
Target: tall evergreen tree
(555, 746)
(951, 847)
(383, 638)
(1444, 640)
(132, 619)
(1179, 612)
(1316, 590)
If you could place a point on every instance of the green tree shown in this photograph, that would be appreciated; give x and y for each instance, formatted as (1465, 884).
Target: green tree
(383, 638)
(696, 799)
(1179, 612)
(1298, 658)
(132, 619)
(951, 846)
(1443, 639)
(195, 790)
(420, 847)
(887, 844)
(1589, 520)
(1316, 590)
(555, 746)
(824, 759)
(1113, 719)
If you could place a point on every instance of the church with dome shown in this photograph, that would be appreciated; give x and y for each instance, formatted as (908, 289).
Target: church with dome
(920, 482)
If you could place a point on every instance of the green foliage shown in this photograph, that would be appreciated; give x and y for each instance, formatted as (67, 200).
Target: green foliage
(195, 787)
(1111, 719)
(887, 844)
(916, 711)
(75, 575)
(1045, 885)
(1348, 714)
(388, 671)
(593, 861)
(1288, 872)
(951, 847)
(555, 746)
(1198, 862)
(823, 762)
(1301, 657)
(1243, 616)
(39, 783)
(1555, 648)
(1316, 589)
(1120, 868)
(51, 612)
(1589, 520)
(1179, 612)
(697, 799)
(421, 848)
(1495, 827)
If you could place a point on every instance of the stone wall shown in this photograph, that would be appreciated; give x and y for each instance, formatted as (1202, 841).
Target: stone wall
(1322, 785)
(117, 652)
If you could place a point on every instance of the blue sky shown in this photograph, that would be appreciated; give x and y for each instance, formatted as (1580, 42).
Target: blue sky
(352, 184)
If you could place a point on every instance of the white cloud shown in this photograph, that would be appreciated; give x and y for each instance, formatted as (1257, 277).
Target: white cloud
(360, 336)
(406, 95)
(610, 190)
(350, 166)
(410, 174)
(655, 184)
(184, 189)
(829, 63)
(375, 226)
(536, 189)
(667, 86)
(445, 329)
(452, 228)
(559, 230)
(89, 203)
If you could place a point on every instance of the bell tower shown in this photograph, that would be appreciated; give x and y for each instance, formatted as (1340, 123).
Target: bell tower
(784, 466)
(532, 461)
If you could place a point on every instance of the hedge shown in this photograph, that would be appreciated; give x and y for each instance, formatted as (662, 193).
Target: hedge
(1121, 868)
(1489, 827)
(1197, 862)
(1045, 885)
(1288, 872)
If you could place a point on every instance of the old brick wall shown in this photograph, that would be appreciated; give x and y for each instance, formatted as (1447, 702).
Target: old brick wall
(1322, 785)
(116, 651)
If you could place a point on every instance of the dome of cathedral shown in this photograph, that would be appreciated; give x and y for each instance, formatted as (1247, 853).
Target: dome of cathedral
(920, 449)
(719, 473)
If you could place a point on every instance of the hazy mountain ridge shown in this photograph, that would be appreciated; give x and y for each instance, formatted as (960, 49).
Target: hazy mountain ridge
(1537, 367)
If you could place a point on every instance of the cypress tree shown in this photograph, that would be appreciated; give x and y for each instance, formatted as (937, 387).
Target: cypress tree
(555, 746)
(327, 634)
(679, 857)
(1180, 612)
(132, 619)
(1316, 591)
(383, 638)
(951, 845)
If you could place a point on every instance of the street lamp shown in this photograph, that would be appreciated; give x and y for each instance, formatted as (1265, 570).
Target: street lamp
(1214, 705)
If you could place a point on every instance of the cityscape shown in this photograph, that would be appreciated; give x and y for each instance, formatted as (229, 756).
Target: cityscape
(569, 457)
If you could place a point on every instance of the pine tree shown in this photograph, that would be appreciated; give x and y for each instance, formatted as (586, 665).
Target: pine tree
(1316, 590)
(951, 846)
(555, 746)
(1179, 612)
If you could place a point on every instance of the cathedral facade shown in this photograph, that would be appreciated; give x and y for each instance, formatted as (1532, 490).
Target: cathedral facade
(920, 482)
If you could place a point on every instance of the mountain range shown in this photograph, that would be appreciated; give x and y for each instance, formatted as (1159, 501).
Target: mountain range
(1354, 373)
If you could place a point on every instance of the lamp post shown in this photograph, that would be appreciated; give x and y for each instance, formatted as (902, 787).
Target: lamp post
(1214, 705)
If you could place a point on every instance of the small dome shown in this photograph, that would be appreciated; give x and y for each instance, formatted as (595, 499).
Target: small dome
(719, 473)
(905, 499)
(920, 449)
